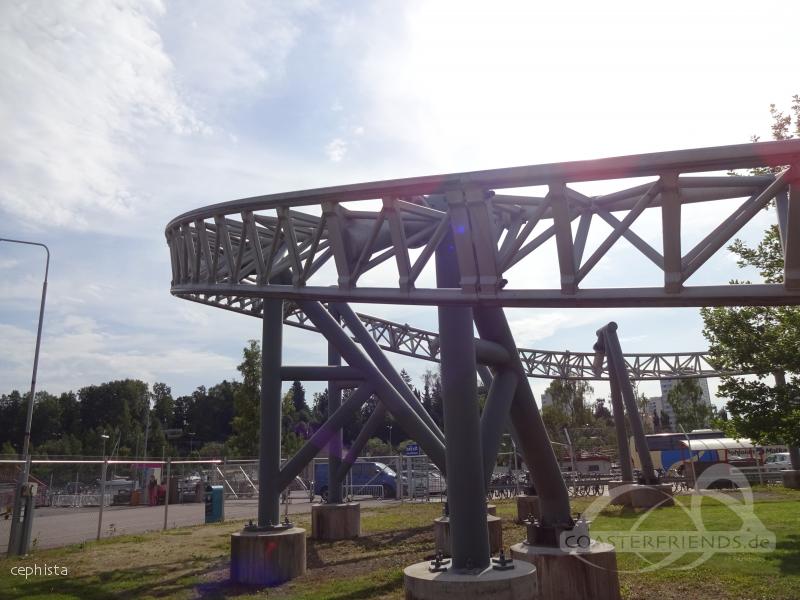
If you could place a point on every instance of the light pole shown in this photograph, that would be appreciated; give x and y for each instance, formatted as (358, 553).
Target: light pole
(18, 545)
(389, 427)
(105, 437)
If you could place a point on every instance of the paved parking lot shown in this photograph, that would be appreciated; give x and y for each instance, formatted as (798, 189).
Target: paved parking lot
(54, 527)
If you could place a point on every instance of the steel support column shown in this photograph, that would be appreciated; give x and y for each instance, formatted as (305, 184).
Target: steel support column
(619, 378)
(397, 405)
(531, 434)
(622, 435)
(335, 445)
(466, 494)
(495, 419)
(269, 455)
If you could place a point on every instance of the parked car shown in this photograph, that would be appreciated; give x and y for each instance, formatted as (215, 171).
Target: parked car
(778, 462)
(117, 483)
(361, 474)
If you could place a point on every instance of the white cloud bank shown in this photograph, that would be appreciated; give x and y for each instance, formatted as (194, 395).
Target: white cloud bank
(82, 84)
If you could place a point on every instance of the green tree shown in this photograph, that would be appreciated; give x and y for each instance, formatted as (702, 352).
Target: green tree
(432, 396)
(212, 450)
(301, 410)
(244, 441)
(375, 446)
(686, 399)
(762, 340)
(666, 424)
(163, 403)
(570, 397)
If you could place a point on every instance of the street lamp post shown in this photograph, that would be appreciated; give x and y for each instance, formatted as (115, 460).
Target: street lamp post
(105, 437)
(17, 543)
(389, 427)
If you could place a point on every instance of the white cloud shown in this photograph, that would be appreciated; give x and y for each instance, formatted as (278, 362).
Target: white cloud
(227, 54)
(336, 149)
(82, 84)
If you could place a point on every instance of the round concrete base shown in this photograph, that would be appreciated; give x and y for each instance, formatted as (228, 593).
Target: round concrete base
(641, 496)
(331, 522)
(527, 506)
(518, 583)
(588, 574)
(268, 557)
(791, 479)
(441, 534)
(620, 498)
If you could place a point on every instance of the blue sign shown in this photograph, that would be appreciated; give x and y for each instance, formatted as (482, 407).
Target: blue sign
(412, 450)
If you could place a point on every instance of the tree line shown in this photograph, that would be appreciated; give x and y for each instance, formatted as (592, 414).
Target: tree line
(128, 418)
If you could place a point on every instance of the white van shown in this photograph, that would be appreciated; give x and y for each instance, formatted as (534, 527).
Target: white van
(778, 462)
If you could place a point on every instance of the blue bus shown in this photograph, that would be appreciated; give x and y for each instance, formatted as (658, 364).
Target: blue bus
(671, 450)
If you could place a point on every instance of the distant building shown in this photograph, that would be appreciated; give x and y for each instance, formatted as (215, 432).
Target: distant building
(586, 464)
(547, 399)
(662, 403)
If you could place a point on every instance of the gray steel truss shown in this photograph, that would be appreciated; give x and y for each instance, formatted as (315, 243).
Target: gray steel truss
(236, 249)
(264, 257)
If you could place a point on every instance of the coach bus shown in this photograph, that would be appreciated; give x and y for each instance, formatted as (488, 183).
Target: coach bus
(671, 450)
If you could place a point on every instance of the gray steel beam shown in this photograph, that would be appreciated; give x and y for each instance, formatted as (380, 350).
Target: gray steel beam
(534, 442)
(671, 232)
(791, 246)
(489, 353)
(318, 373)
(619, 378)
(322, 436)
(374, 352)
(495, 418)
(466, 494)
(335, 444)
(397, 405)
(374, 421)
(633, 297)
(269, 454)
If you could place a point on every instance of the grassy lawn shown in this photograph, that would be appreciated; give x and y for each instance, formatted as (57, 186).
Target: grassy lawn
(193, 562)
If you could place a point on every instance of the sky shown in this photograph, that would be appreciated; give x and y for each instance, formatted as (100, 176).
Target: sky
(118, 116)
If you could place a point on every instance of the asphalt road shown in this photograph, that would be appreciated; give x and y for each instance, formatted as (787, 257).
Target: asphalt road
(55, 527)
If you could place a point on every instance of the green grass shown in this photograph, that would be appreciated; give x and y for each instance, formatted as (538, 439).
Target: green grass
(193, 562)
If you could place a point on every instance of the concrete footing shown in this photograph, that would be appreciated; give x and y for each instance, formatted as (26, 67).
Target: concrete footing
(331, 522)
(583, 574)
(268, 557)
(442, 539)
(791, 479)
(491, 509)
(640, 496)
(527, 506)
(519, 583)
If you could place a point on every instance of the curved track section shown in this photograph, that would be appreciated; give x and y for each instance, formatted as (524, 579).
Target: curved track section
(374, 242)
(544, 364)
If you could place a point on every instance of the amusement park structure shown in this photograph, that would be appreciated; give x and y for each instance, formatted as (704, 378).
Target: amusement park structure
(470, 244)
